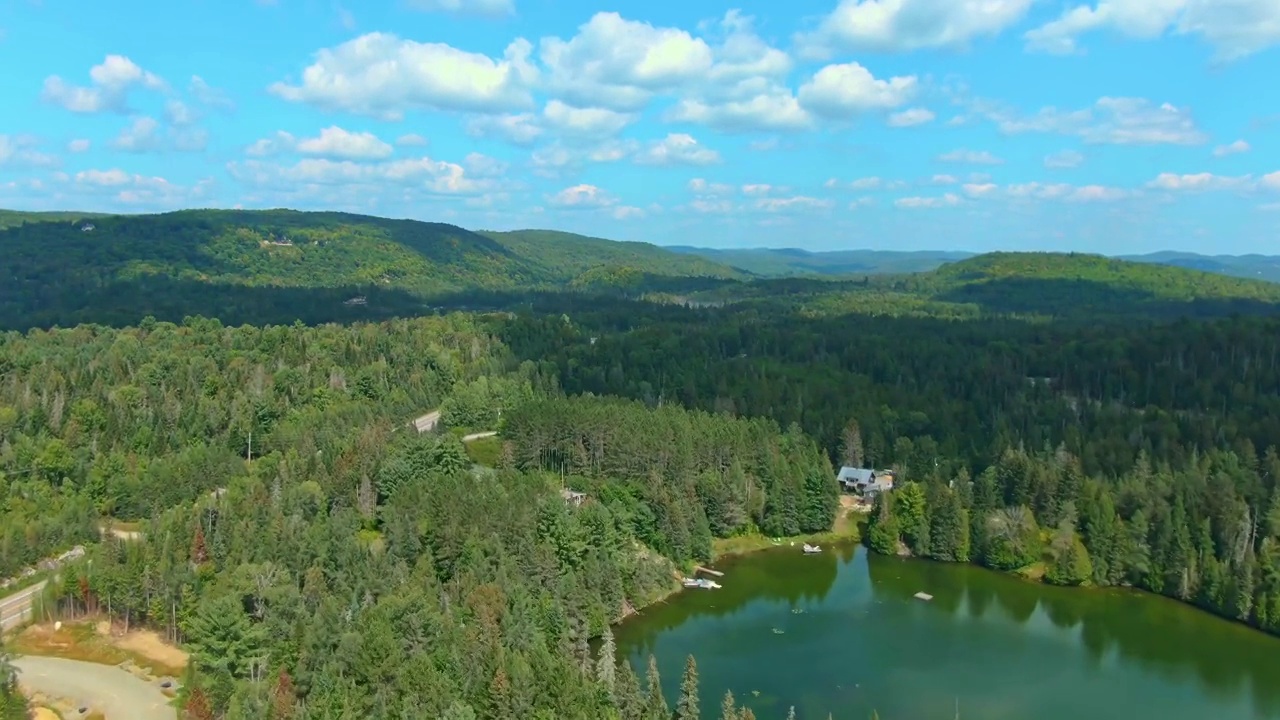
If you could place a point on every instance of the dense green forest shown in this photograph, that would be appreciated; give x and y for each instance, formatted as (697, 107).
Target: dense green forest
(276, 266)
(1078, 420)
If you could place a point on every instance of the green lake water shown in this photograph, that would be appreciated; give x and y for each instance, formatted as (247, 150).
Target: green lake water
(841, 633)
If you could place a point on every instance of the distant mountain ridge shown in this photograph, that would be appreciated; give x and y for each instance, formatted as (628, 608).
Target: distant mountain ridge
(785, 262)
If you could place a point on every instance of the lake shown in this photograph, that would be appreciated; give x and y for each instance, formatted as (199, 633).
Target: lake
(841, 633)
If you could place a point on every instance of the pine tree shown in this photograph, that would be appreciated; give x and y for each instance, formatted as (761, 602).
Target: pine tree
(656, 707)
(627, 695)
(729, 707)
(607, 663)
(851, 453)
(687, 709)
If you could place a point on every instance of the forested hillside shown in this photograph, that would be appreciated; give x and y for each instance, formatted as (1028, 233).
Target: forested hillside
(280, 265)
(1132, 453)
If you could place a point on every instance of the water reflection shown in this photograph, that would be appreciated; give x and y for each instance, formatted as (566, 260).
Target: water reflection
(840, 632)
(782, 575)
(1171, 639)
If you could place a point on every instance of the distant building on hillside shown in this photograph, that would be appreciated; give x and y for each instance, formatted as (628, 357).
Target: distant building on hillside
(87, 227)
(865, 481)
(572, 497)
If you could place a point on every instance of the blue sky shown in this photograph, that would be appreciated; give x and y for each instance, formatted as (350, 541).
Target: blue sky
(1095, 125)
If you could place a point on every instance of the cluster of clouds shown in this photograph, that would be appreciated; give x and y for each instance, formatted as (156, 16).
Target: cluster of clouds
(570, 103)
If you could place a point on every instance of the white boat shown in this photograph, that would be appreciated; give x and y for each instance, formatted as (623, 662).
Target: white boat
(811, 549)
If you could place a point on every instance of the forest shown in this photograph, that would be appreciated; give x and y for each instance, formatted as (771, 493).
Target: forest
(1076, 420)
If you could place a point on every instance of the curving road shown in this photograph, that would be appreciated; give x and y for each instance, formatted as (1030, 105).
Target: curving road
(107, 688)
(15, 609)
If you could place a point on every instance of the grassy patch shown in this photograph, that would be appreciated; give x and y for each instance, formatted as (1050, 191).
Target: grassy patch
(83, 641)
(849, 531)
(485, 451)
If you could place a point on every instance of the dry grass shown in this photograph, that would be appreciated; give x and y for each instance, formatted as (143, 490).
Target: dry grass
(42, 713)
(95, 643)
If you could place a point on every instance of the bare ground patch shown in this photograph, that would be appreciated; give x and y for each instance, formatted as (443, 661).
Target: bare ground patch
(96, 642)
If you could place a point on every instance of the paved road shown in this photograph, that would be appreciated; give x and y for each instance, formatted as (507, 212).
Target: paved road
(16, 609)
(119, 695)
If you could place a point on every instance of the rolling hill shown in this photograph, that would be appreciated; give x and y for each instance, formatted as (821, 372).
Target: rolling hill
(231, 263)
(788, 262)
(1083, 285)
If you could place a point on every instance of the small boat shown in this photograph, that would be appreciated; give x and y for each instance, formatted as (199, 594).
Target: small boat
(811, 549)
(701, 583)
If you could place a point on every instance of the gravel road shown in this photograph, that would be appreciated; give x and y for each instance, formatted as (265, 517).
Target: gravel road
(119, 695)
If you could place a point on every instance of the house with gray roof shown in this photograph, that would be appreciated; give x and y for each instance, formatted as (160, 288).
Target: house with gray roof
(865, 481)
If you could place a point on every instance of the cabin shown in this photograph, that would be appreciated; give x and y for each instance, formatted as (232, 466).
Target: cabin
(87, 227)
(573, 498)
(865, 481)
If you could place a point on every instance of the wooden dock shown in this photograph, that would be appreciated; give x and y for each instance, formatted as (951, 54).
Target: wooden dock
(708, 571)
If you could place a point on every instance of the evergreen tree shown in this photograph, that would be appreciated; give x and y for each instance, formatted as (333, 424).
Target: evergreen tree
(656, 707)
(607, 663)
(627, 693)
(728, 707)
(687, 708)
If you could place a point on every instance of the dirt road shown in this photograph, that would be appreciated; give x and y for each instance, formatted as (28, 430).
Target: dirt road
(427, 422)
(16, 609)
(115, 692)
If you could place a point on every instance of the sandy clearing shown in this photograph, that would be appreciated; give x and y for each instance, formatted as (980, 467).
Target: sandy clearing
(115, 692)
(45, 714)
(149, 645)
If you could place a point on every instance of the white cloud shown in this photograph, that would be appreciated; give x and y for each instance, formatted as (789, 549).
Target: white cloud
(19, 151)
(142, 135)
(209, 96)
(334, 142)
(146, 135)
(791, 204)
(1199, 182)
(757, 189)
(837, 91)
(1236, 28)
(139, 192)
(383, 75)
(866, 183)
(911, 117)
(677, 149)
(744, 88)
(480, 165)
(620, 64)
(627, 212)
(518, 129)
(424, 175)
(176, 112)
(1271, 181)
(701, 187)
(763, 145)
(109, 87)
(488, 8)
(582, 196)
(775, 108)
(78, 146)
(972, 157)
(1063, 191)
(411, 140)
(947, 200)
(1111, 120)
(900, 25)
(944, 180)
(585, 121)
(278, 143)
(1063, 159)
(1239, 146)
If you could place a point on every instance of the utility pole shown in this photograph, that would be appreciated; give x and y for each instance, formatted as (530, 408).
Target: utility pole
(251, 446)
